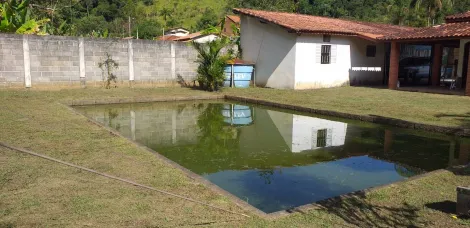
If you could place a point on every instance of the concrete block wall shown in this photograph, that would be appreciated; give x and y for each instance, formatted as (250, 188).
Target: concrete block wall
(55, 60)
(11, 60)
(152, 61)
(95, 52)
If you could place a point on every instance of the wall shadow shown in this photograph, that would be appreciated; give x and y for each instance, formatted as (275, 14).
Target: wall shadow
(356, 209)
(447, 206)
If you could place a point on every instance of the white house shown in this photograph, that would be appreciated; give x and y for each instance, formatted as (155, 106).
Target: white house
(295, 51)
(198, 37)
(177, 32)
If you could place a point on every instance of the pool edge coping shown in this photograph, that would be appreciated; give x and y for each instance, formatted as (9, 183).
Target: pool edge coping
(238, 202)
(456, 131)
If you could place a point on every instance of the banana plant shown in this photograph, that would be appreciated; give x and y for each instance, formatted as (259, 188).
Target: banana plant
(15, 16)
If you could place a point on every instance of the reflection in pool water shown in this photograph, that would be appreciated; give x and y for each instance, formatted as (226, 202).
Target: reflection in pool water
(275, 159)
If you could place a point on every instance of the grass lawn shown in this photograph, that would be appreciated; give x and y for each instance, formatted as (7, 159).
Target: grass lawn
(442, 110)
(39, 193)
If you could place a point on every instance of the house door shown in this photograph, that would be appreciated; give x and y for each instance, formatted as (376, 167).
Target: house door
(465, 64)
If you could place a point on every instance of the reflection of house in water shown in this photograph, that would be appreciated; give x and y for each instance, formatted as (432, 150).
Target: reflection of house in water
(246, 137)
(303, 133)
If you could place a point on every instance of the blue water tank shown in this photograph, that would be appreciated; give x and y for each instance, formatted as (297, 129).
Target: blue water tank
(242, 75)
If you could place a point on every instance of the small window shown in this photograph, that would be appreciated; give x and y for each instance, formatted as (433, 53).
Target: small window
(321, 138)
(325, 54)
(371, 50)
(326, 38)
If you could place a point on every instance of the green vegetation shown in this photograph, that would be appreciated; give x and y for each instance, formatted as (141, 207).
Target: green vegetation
(148, 18)
(107, 67)
(212, 61)
(15, 16)
(35, 192)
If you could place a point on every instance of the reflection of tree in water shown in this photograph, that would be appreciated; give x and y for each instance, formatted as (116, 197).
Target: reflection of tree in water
(406, 172)
(266, 175)
(214, 135)
(113, 114)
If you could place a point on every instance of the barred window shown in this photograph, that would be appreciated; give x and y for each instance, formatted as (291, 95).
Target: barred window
(325, 54)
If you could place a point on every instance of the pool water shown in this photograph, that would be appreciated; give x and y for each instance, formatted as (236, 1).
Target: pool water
(277, 159)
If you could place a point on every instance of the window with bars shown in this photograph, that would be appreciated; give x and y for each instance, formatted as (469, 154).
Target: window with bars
(325, 54)
(321, 137)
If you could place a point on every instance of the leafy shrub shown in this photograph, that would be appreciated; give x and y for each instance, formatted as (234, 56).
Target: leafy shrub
(107, 67)
(212, 61)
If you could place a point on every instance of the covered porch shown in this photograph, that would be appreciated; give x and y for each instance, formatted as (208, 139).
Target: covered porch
(442, 66)
(432, 60)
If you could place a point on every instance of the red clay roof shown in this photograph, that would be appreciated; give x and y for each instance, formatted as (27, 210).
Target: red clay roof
(234, 18)
(168, 38)
(461, 17)
(444, 31)
(300, 23)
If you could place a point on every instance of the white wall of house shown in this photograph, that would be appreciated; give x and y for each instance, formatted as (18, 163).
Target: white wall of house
(461, 55)
(205, 38)
(272, 48)
(349, 62)
(289, 61)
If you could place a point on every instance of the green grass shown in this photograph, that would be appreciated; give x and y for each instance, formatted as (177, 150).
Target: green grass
(39, 193)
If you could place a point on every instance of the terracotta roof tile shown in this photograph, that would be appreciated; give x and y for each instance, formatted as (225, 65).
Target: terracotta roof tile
(189, 37)
(300, 23)
(461, 17)
(450, 30)
(168, 37)
(234, 18)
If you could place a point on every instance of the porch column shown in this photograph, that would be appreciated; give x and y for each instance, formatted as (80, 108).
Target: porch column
(394, 63)
(436, 64)
(467, 86)
(388, 141)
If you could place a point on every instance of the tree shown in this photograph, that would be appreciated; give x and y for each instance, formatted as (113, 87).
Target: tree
(15, 16)
(433, 7)
(87, 25)
(208, 19)
(149, 29)
(212, 61)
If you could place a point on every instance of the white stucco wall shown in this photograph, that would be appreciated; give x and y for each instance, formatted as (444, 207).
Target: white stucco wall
(272, 48)
(349, 64)
(289, 61)
(461, 55)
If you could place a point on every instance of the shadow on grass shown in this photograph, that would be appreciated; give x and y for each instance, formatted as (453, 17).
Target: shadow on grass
(463, 118)
(356, 209)
(447, 206)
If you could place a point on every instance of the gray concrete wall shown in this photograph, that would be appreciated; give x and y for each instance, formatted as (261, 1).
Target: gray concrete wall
(55, 60)
(11, 60)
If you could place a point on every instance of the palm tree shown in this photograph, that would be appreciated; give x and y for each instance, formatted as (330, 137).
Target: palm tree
(432, 7)
(212, 61)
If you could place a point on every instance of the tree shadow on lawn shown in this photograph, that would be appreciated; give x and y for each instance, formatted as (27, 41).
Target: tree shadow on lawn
(464, 119)
(357, 210)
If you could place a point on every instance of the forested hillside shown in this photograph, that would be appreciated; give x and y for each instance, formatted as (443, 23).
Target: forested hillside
(149, 17)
